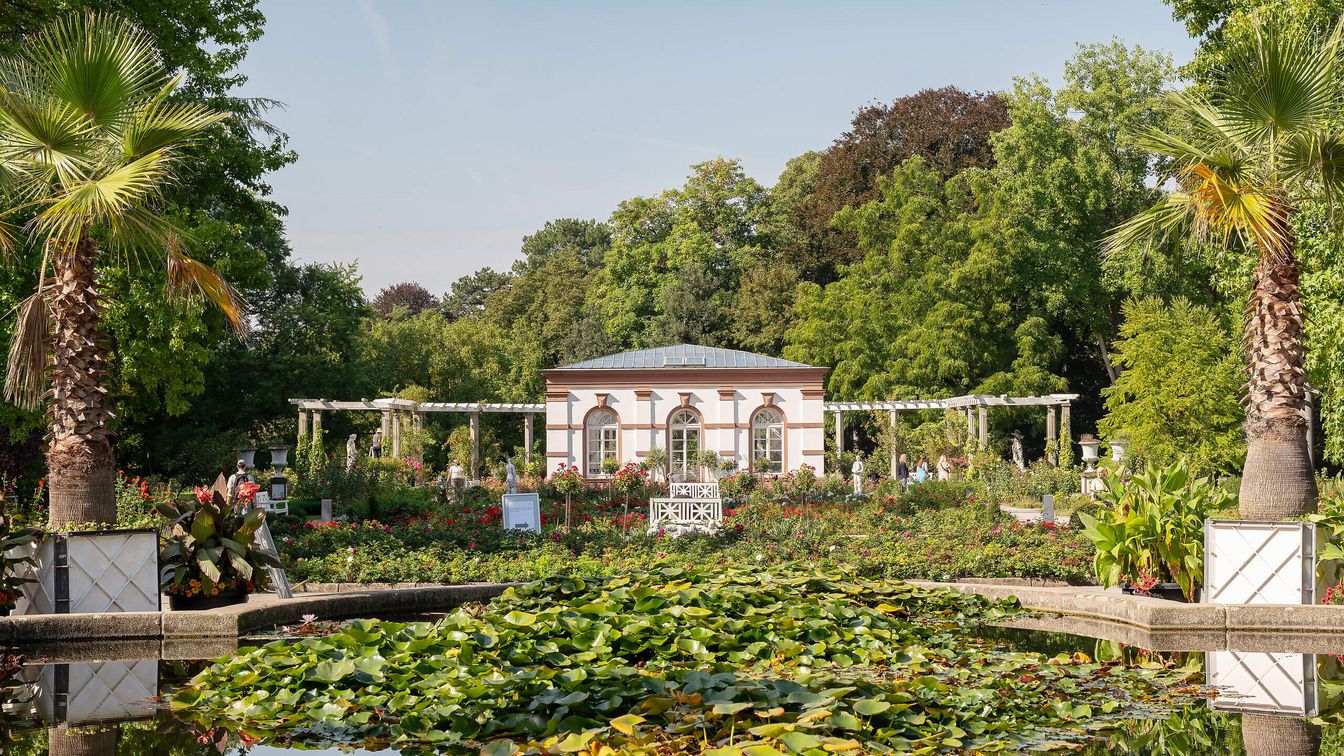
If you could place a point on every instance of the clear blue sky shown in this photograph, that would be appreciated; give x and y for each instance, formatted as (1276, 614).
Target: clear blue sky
(433, 135)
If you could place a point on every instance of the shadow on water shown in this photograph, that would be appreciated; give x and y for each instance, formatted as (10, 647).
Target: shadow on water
(72, 705)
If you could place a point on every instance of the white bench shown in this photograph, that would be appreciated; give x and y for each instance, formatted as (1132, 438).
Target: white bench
(263, 501)
(689, 506)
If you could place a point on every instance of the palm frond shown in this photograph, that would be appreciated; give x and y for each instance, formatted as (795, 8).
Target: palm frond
(161, 126)
(1281, 80)
(99, 63)
(1173, 215)
(1315, 159)
(1256, 213)
(112, 199)
(189, 277)
(46, 134)
(29, 354)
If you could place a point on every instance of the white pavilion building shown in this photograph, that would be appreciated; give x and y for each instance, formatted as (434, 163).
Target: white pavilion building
(750, 408)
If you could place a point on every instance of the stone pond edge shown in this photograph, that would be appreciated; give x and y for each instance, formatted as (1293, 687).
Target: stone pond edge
(343, 600)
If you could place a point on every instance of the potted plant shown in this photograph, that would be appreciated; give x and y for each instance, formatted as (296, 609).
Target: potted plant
(1149, 531)
(567, 481)
(630, 479)
(16, 549)
(210, 558)
(656, 462)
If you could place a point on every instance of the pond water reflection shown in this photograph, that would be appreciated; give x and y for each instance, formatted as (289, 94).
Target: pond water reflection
(91, 707)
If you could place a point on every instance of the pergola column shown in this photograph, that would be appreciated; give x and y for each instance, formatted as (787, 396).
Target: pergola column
(385, 425)
(396, 434)
(527, 437)
(970, 426)
(317, 426)
(892, 421)
(1051, 445)
(303, 426)
(476, 446)
(1065, 428)
(984, 427)
(839, 438)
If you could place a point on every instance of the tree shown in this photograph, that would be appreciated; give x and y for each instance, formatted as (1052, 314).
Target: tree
(407, 295)
(89, 134)
(469, 293)
(588, 240)
(947, 127)
(938, 306)
(1249, 153)
(716, 224)
(1172, 409)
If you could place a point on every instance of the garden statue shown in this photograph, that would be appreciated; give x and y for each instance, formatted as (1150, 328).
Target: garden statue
(350, 453)
(1019, 458)
(857, 474)
(376, 450)
(511, 476)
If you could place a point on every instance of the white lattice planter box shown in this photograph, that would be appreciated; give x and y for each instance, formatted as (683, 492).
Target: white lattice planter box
(1254, 562)
(1264, 683)
(98, 571)
(691, 507)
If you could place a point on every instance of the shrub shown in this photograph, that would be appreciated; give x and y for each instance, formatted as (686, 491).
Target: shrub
(1151, 528)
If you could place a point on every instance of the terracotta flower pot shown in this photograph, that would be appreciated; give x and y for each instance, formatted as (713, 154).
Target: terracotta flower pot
(202, 601)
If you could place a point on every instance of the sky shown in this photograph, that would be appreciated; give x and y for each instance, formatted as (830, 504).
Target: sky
(433, 135)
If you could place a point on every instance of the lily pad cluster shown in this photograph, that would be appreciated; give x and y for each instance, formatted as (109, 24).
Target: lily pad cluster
(723, 661)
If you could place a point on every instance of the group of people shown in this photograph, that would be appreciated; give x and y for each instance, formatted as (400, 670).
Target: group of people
(921, 471)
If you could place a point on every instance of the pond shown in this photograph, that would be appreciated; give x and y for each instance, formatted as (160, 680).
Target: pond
(986, 664)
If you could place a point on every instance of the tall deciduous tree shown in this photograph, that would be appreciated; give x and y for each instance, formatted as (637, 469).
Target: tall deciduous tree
(88, 138)
(407, 295)
(1247, 155)
(948, 128)
(1172, 409)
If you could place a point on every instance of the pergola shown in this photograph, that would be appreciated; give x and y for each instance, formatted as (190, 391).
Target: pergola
(399, 413)
(973, 404)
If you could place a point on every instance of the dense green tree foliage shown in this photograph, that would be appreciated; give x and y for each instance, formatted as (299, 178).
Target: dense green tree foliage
(1179, 395)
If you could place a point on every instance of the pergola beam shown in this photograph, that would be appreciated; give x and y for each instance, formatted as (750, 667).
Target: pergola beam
(971, 400)
(410, 406)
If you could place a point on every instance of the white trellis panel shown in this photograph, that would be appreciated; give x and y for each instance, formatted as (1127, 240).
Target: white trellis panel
(1249, 562)
(696, 491)
(706, 513)
(1263, 683)
(109, 571)
(111, 691)
(691, 505)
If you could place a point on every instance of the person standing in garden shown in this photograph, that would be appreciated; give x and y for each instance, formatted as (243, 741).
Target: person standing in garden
(921, 469)
(236, 480)
(903, 470)
(944, 468)
(376, 450)
(455, 479)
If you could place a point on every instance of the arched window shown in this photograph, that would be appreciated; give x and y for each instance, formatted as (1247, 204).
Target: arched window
(767, 440)
(600, 431)
(683, 437)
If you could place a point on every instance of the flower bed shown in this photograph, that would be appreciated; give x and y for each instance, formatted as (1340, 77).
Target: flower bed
(953, 538)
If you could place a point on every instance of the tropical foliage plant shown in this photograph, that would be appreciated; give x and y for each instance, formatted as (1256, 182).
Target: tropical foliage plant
(719, 661)
(210, 546)
(1150, 528)
(90, 135)
(1247, 155)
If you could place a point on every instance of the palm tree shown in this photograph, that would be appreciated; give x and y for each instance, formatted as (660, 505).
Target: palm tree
(1247, 156)
(89, 136)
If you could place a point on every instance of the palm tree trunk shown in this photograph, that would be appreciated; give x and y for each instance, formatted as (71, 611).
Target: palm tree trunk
(1277, 481)
(81, 467)
(1264, 735)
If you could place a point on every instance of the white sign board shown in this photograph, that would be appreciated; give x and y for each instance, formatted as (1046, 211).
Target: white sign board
(522, 511)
